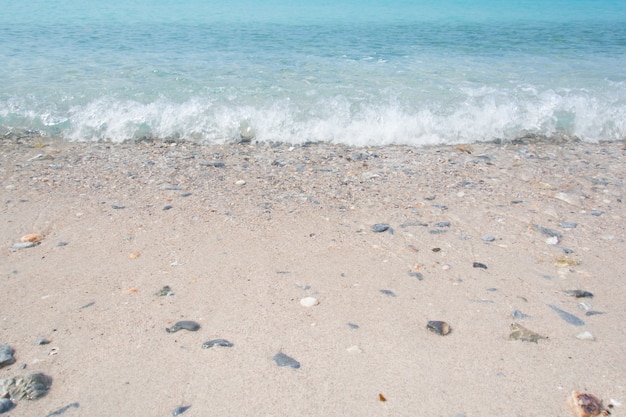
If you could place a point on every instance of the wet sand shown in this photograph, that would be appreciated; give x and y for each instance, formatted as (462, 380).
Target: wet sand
(242, 232)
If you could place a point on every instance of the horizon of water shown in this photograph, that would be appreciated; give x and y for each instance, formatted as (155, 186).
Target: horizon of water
(369, 72)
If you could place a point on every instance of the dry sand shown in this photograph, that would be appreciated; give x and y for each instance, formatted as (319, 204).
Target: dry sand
(241, 233)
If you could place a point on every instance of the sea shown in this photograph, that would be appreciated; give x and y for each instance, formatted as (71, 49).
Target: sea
(355, 72)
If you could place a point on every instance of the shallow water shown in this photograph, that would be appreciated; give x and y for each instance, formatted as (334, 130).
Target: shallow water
(362, 73)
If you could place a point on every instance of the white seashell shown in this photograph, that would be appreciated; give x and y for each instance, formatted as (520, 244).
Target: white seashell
(552, 240)
(585, 336)
(354, 349)
(309, 302)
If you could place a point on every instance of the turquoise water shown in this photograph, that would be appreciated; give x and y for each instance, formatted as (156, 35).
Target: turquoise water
(356, 72)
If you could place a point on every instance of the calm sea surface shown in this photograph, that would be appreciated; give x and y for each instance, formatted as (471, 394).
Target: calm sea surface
(364, 72)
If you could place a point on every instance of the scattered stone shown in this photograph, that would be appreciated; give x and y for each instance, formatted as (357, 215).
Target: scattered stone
(166, 290)
(6, 405)
(6, 355)
(579, 293)
(417, 275)
(380, 227)
(585, 336)
(168, 207)
(217, 342)
(116, 207)
(479, 265)
(440, 327)
(240, 182)
(62, 243)
(568, 317)
(442, 224)
(518, 315)
(594, 313)
(24, 245)
(30, 386)
(437, 231)
(488, 238)
(546, 231)
(63, 410)
(214, 164)
(568, 225)
(584, 306)
(41, 342)
(586, 405)
(597, 213)
(353, 326)
(519, 332)
(179, 410)
(388, 293)
(283, 360)
(189, 325)
(87, 305)
(309, 302)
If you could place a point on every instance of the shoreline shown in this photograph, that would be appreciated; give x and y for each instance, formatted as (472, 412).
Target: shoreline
(242, 232)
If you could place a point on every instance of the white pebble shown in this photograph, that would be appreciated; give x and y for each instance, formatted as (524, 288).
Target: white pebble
(552, 240)
(309, 302)
(240, 182)
(585, 336)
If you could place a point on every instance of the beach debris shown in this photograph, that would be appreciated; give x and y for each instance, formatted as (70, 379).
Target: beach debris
(30, 386)
(439, 327)
(568, 225)
(62, 243)
(584, 306)
(578, 293)
(179, 410)
(479, 265)
(134, 255)
(167, 207)
(240, 182)
(217, 342)
(381, 398)
(417, 275)
(62, 410)
(488, 238)
(442, 224)
(546, 231)
(594, 313)
(116, 207)
(31, 237)
(189, 325)
(568, 317)
(24, 245)
(518, 315)
(587, 405)
(283, 360)
(41, 342)
(6, 405)
(381, 227)
(585, 336)
(519, 332)
(6, 355)
(353, 326)
(597, 213)
(388, 293)
(309, 302)
(565, 262)
(166, 290)
(87, 305)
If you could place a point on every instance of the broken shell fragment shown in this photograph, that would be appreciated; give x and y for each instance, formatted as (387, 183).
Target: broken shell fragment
(519, 332)
(32, 237)
(309, 302)
(440, 327)
(587, 405)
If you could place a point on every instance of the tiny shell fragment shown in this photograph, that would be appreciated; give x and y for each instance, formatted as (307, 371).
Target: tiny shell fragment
(32, 237)
(587, 405)
(309, 302)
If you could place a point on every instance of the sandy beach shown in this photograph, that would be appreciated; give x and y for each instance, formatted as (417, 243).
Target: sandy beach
(480, 236)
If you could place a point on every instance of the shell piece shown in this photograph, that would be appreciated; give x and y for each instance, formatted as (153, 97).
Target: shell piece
(179, 410)
(32, 237)
(579, 293)
(217, 342)
(189, 325)
(283, 360)
(309, 302)
(519, 332)
(586, 405)
(440, 327)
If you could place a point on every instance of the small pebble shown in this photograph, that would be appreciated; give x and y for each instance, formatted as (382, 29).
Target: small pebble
(597, 213)
(189, 325)
(584, 306)
(353, 326)
(479, 265)
(168, 207)
(354, 349)
(579, 293)
(63, 410)
(546, 231)
(166, 290)
(488, 238)
(518, 315)
(594, 313)
(42, 342)
(568, 317)
(6, 355)
(417, 275)
(24, 245)
(442, 224)
(388, 293)
(568, 225)
(115, 207)
(179, 410)
(240, 182)
(552, 240)
(309, 302)
(519, 332)
(585, 336)
(440, 327)
(62, 243)
(217, 342)
(380, 227)
(6, 405)
(283, 360)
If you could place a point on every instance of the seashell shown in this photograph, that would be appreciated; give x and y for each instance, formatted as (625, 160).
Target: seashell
(519, 332)
(179, 410)
(585, 336)
(587, 405)
(440, 327)
(309, 302)
(189, 325)
(217, 342)
(32, 237)
(283, 360)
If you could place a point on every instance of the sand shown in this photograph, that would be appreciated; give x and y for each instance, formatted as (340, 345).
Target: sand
(242, 232)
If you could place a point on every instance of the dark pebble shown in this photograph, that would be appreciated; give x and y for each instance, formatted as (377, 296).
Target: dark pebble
(186, 194)
(353, 326)
(189, 325)
(437, 232)
(442, 224)
(579, 293)
(87, 305)
(517, 202)
(63, 410)
(380, 227)
(488, 238)
(168, 207)
(6, 405)
(62, 243)
(594, 313)
(114, 207)
(216, 342)
(568, 225)
(42, 341)
(440, 327)
(283, 360)
(597, 213)
(215, 164)
(568, 317)
(6, 355)
(417, 275)
(179, 410)
(479, 265)
(546, 231)
(429, 198)
(388, 293)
